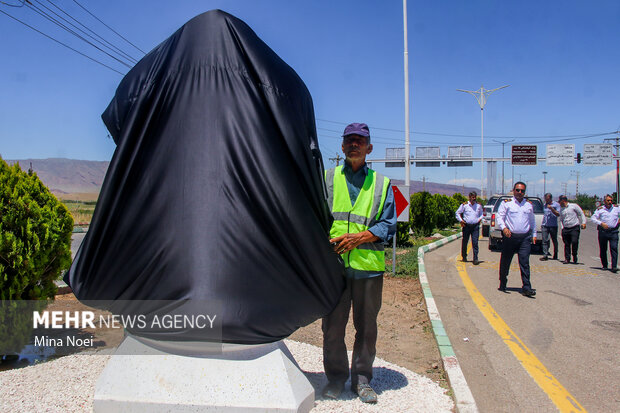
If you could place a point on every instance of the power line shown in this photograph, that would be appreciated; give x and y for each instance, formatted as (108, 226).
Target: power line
(13, 5)
(114, 31)
(109, 45)
(61, 43)
(61, 25)
(476, 136)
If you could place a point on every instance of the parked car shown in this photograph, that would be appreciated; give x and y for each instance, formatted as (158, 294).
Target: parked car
(487, 211)
(495, 234)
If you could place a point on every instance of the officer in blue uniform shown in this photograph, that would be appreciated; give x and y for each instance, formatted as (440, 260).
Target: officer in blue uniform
(606, 218)
(516, 219)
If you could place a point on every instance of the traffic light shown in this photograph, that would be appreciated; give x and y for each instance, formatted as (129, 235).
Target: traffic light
(578, 158)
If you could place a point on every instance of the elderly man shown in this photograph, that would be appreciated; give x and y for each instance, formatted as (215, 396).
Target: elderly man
(549, 227)
(469, 214)
(606, 218)
(362, 204)
(572, 219)
(516, 219)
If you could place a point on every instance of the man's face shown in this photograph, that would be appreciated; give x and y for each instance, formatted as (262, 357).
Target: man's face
(548, 199)
(608, 201)
(563, 203)
(472, 199)
(356, 147)
(519, 192)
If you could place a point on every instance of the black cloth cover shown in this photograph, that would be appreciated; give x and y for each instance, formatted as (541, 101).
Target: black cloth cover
(215, 190)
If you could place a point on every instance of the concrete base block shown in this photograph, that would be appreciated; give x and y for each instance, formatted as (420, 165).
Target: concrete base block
(244, 378)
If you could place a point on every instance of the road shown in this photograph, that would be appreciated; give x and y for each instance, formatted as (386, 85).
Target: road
(557, 351)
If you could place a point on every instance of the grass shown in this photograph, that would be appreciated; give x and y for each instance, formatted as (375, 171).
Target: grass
(81, 211)
(406, 259)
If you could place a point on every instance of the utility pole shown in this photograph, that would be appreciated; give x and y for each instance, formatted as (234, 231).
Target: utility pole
(406, 57)
(564, 189)
(617, 146)
(544, 182)
(576, 173)
(481, 96)
(503, 143)
(337, 159)
(423, 184)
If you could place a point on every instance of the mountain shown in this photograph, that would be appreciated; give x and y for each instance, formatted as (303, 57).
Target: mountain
(63, 176)
(69, 176)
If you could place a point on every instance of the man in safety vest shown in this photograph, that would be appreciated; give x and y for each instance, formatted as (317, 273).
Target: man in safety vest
(362, 204)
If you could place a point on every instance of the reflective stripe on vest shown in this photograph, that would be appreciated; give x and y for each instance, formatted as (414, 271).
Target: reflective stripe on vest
(359, 217)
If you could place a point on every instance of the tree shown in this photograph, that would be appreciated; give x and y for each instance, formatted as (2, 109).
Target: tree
(423, 213)
(35, 246)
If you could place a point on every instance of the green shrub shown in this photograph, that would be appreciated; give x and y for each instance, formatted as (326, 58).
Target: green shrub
(423, 214)
(403, 239)
(35, 236)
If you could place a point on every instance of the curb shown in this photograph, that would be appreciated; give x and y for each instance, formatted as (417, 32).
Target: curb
(465, 402)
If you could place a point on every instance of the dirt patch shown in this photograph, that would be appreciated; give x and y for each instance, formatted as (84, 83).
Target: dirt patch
(405, 333)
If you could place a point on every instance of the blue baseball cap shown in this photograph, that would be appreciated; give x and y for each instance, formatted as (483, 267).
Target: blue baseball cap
(356, 129)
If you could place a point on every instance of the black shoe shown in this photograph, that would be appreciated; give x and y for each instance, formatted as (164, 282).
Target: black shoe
(333, 390)
(528, 293)
(365, 393)
(604, 268)
(575, 260)
(502, 289)
(476, 262)
(555, 256)
(545, 258)
(566, 262)
(464, 260)
(614, 270)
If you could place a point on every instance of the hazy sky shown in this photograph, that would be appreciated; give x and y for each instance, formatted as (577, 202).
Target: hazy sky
(560, 58)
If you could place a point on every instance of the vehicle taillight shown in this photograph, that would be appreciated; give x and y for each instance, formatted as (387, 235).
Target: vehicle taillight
(493, 220)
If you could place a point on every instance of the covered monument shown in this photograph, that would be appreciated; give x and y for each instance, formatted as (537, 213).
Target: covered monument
(215, 190)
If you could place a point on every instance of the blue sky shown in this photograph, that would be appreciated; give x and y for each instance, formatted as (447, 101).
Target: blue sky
(561, 59)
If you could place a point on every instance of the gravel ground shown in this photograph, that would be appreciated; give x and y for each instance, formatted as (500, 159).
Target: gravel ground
(67, 385)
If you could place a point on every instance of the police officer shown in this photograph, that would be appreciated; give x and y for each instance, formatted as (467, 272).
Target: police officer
(571, 217)
(516, 219)
(549, 227)
(606, 217)
(362, 204)
(469, 214)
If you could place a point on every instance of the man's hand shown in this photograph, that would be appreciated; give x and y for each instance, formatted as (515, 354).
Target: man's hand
(533, 240)
(583, 226)
(604, 225)
(462, 224)
(507, 232)
(347, 242)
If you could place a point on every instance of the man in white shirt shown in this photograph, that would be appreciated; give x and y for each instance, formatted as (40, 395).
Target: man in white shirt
(606, 217)
(516, 219)
(571, 217)
(469, 215)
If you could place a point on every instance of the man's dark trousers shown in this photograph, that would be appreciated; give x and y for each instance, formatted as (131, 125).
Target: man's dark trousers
(474, 231)
(522, 245)
(365, 295)
(608, 236)
(570, 237)
(549, 233)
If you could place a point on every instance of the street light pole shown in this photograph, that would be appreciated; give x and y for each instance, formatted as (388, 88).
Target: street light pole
(481, 96)
(503, 143)
(544, 182)
(406, 57)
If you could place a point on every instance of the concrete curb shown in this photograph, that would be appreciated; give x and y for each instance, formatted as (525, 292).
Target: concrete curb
(465, 402)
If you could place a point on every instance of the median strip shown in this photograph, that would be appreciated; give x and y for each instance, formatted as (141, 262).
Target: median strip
(465, 402)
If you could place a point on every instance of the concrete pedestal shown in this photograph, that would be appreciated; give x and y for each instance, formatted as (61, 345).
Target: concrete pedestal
(244, 378)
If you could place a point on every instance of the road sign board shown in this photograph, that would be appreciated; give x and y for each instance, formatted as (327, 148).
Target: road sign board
(456, 152)
(401, 199)
(524, 154)
(597, 154)
(560, 155)
(427, 152)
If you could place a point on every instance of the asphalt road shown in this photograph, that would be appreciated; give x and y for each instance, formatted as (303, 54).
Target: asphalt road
(557, 351)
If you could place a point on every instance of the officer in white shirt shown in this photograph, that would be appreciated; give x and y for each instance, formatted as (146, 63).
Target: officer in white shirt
(469, 215)
(516, 219)
(571, 217)
(606, 217)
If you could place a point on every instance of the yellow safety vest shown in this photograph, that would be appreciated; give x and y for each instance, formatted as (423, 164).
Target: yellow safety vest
(357, 218)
